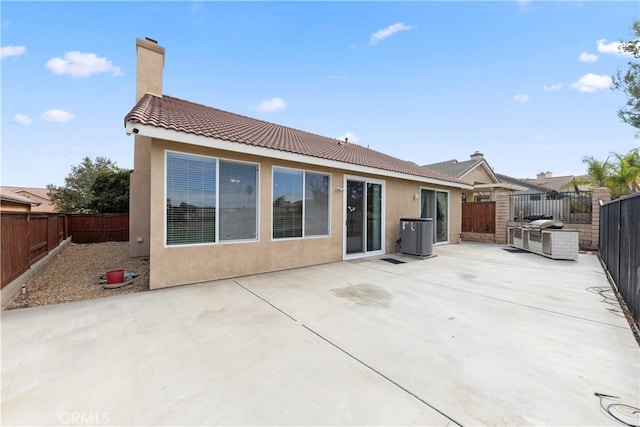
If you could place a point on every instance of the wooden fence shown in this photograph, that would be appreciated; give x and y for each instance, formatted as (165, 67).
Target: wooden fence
(26, 238)
(479, 217)
(95, 228)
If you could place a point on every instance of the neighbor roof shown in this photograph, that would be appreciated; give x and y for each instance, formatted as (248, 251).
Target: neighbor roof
(176, 114)
(453, 167)
(40, 192)
(17, 199)
(556, 183)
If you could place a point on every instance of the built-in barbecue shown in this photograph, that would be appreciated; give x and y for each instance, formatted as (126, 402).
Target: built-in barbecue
(546, 237)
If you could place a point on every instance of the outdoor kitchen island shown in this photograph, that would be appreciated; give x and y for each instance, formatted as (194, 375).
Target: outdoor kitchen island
(546, 237)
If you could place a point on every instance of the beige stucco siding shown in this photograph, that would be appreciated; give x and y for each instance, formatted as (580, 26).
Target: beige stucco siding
(478, 175)
(179, 265)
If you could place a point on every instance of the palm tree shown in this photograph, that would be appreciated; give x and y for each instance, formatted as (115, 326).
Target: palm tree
(597, 171)
(625, 173)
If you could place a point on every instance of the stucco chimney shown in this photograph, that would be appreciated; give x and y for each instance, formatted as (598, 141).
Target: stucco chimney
(477, 156)
(544, 175)
(150, 64)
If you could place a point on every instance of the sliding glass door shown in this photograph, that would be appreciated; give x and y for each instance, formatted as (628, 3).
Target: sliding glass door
(364, 223)
(435, 204)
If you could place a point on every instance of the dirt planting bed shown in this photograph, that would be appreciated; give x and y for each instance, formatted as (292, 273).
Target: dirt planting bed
(76, 274)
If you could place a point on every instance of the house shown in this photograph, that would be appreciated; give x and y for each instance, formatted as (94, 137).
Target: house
(545, 182)
(216, 194)
(475, 171)
(13, 203)
(40, 196)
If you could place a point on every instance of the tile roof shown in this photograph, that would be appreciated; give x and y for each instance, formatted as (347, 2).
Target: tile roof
(183, 116)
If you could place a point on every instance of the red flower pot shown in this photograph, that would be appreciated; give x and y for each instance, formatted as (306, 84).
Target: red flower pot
(115, 276)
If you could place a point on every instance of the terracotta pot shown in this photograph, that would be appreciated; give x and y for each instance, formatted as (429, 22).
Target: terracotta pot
(115, 276)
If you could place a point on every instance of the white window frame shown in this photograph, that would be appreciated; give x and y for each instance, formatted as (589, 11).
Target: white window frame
(383, 218)
(304, 210)
(217, 241)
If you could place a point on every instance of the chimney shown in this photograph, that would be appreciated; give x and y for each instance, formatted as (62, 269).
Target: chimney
(540, 176)
(548, 174)
(477, 156)
(150, 65)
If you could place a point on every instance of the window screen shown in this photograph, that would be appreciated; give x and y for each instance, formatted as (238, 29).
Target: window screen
(238, 201)
(191, 199)
(287, 203)
(316, 206)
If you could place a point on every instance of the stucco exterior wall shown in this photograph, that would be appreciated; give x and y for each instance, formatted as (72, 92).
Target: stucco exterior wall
(139, 207)
(478, 175)
(44, 206)
(10, 206)
(171, 266)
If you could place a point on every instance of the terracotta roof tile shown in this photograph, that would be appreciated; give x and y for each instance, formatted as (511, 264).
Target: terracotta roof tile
(188, 117)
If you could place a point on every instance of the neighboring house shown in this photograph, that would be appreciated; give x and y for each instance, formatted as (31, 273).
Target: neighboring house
(216, 195)
(475, 171)
(560, 184)
(546, 197)
(40, 196)
(525, 186)
(13, 203)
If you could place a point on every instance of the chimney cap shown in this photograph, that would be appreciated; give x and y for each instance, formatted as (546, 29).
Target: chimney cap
(151, 40)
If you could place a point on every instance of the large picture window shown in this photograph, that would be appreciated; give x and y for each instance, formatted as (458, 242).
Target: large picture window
(300, 203)
(209, 200)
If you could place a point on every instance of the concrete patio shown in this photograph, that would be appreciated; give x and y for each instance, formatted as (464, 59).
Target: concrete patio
(475, 336)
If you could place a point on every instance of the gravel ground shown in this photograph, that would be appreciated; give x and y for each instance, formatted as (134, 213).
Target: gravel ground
(74, 275)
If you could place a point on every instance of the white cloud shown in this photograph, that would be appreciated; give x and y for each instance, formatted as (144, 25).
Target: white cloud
(79, 64)
(592, 82)
(588, 57)
(59, 116)
(5, 23)
(7, 51)
(22, 119)
(269, 105)
(389, 31)
(350, 135)
(521, 98)
(611, 48)
(551, 88)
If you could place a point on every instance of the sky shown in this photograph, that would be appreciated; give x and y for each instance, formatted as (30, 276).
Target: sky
(526, 83)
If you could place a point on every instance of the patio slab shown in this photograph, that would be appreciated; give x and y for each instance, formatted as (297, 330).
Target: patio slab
(475, 336)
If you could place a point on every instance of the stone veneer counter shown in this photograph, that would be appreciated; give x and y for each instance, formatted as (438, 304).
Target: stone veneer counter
(552, 243)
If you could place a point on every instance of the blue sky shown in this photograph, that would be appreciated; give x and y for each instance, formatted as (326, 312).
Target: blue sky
(524, 82)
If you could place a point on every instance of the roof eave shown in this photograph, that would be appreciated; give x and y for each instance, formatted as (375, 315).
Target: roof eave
(203, 141)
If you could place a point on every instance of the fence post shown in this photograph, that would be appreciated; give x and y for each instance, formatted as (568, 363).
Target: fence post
(598, 194)
(503, 213)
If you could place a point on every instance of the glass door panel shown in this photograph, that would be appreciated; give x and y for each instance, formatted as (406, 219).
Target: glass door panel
(355, 216)
(442, 214)
(374, 217)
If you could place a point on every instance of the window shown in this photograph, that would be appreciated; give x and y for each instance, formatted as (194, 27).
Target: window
(238, 201)
(300, 203)
(209, 200)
